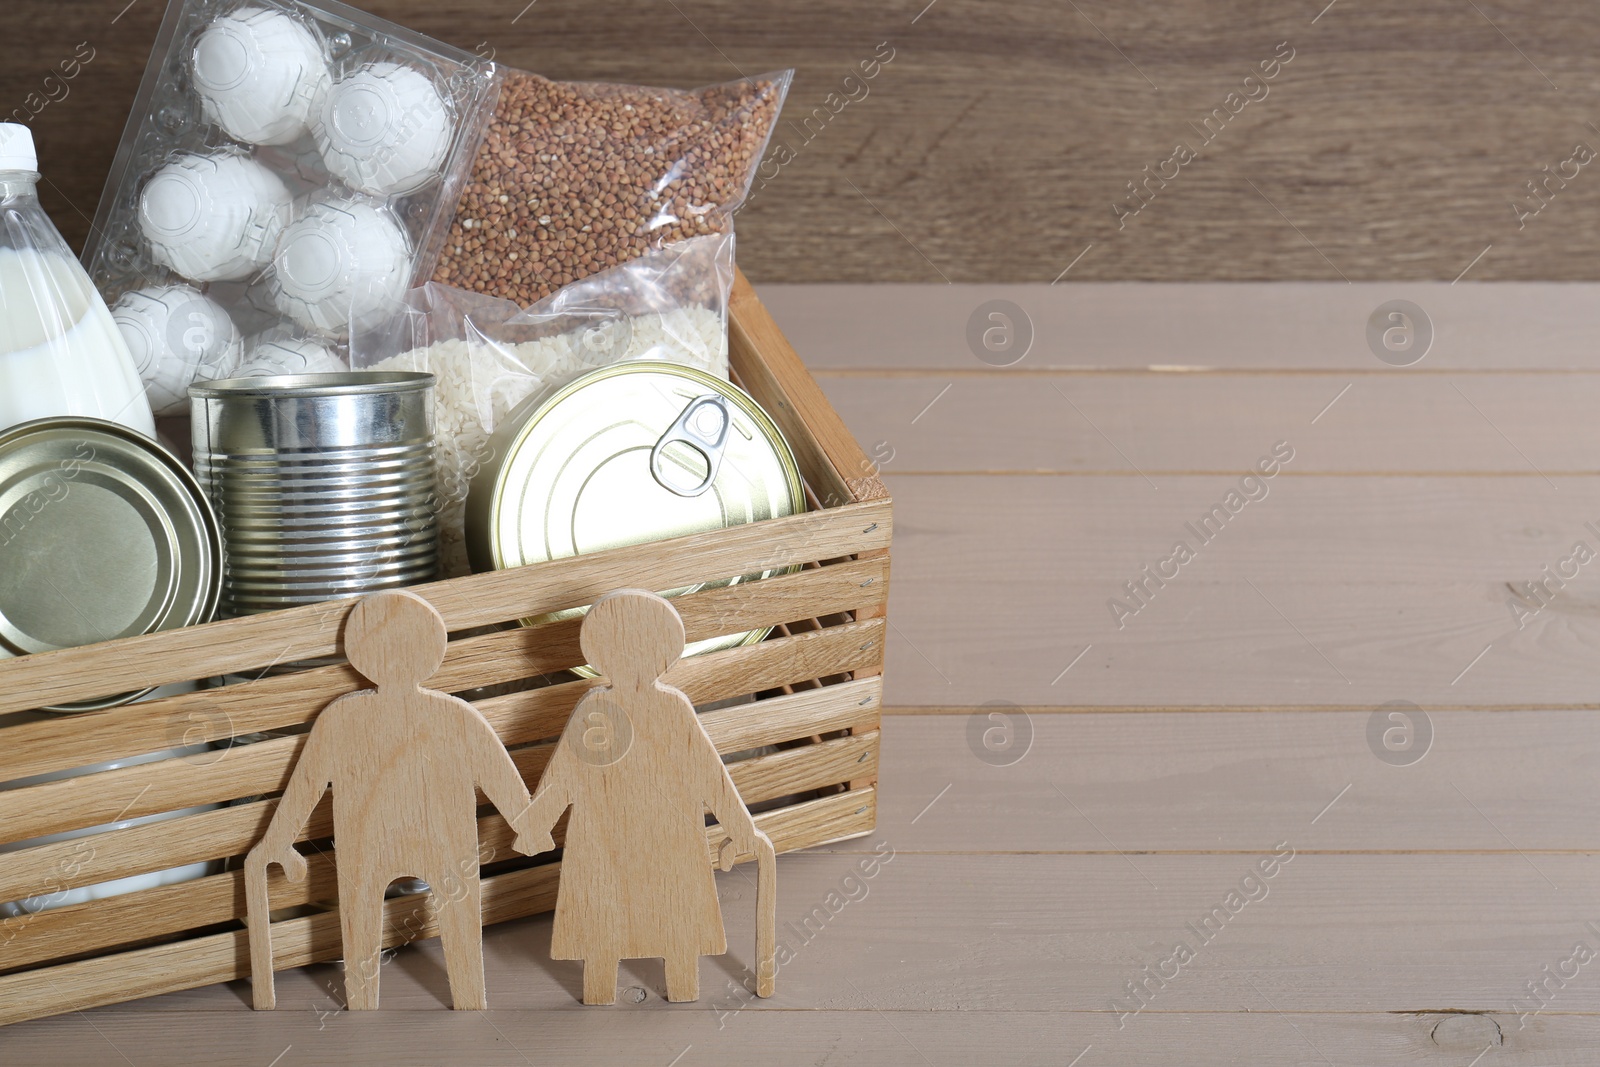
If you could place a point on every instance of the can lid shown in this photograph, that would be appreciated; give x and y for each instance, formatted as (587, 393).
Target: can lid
(635, 452)
(341, 383)
(104, 535)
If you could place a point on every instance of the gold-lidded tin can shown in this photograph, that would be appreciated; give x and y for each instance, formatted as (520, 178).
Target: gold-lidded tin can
(103, 534)
(635, 452)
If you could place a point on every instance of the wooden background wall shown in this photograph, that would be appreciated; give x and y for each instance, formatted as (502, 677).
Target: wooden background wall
(994, 145)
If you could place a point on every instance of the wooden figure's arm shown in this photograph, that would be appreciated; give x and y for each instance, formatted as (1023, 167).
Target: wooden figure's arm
(553, 797)
(501, 782)
(313, 774)
(729, 809)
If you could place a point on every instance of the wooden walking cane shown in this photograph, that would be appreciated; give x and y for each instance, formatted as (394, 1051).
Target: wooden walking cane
(258, 920)
(766, 908)
(766, 916)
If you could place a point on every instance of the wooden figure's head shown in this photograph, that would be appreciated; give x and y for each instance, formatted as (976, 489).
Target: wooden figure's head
(632, 636)
(394, 638)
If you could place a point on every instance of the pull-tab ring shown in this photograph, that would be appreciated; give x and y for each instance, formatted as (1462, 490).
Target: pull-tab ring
(702, 426)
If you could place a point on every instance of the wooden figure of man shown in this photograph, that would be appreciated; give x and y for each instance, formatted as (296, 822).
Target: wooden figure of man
(639, 772)
(402, 762)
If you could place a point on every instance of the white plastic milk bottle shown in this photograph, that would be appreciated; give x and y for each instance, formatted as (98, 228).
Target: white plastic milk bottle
(60, 352)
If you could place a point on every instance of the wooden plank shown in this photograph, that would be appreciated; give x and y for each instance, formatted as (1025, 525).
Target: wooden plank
(848, 706)
(235, 645)
(283, 701)
(1441, 529)
(1282, 327)
(261, 768)
(1228, 781)
(773, 373)
(296, 942)
(1510, 425)
(1364, 590)
(848, 1034)
(1065, 933)
(943, 143)
(230, 831)
(1222, 645)
(1332, 934)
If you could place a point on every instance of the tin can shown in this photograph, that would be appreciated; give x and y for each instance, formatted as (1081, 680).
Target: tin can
(323, 483)
(635, 452)
(103, 534)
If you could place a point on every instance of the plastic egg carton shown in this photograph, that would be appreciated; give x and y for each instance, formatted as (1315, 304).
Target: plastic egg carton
(288, 172)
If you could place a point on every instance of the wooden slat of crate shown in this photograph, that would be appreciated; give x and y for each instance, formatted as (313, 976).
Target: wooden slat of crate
(238, 645)
(274, 703)
(262, 768)
(95, 925)
(167, 910)
(285, 700)
(223, 957)
(772, 372)
(231, 831)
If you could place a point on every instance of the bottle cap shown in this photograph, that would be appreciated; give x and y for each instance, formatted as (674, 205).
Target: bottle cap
(16, 147)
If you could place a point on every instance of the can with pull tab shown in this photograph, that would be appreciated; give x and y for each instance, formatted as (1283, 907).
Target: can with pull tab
(635, 452)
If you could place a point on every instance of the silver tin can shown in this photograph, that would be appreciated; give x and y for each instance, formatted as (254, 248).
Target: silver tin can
(323, 484)
(103, 534)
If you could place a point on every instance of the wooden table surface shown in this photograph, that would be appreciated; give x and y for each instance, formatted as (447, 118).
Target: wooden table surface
(1070, 792)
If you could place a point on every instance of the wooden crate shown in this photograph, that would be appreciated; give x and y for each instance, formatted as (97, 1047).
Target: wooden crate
(810, 711)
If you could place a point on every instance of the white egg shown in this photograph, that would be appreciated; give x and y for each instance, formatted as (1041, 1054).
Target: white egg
(343, 265)
(177, 336)
(269, 359)
(260, 74)
(213, 217)
(383, 129)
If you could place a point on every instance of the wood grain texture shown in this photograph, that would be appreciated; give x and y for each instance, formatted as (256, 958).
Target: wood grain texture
(154, 914)
(1231, 781)
(296, 942)
(829, 457)
(994, 144)
(1330, 934)
(262, 768)
(392, 808)
(1329, 592)
(1507, 425)
(276, 702)
(835, 1035)
(232, 830)
(1280, 328)
(250, 643)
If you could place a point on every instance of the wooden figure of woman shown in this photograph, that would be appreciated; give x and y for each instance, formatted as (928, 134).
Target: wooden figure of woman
(639, 772)
(403, 763)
